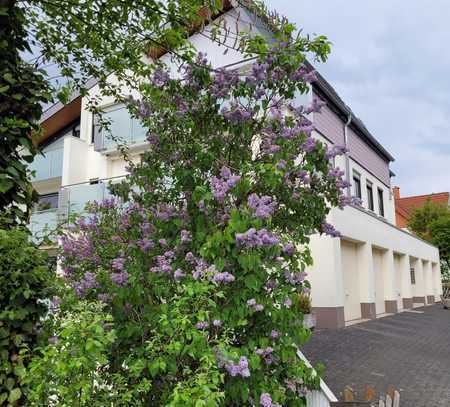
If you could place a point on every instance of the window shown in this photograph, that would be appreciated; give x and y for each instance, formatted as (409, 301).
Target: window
(122, 128)
(47, 202)
(76, 131)
(380, 202)
(357, 184)
(413, 275)
(369, 195)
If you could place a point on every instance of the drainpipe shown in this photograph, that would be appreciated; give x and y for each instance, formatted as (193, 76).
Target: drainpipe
(347, 158)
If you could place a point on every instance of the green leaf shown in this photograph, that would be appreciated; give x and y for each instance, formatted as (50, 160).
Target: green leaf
(14, 395)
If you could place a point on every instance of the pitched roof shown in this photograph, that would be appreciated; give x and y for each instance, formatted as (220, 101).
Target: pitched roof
(405, 206)
(322, 84)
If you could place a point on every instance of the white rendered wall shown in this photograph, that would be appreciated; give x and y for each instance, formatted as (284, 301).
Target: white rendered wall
(389, 206)
(386, 272)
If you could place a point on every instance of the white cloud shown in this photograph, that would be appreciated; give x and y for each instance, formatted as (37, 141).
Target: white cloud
(389, 62)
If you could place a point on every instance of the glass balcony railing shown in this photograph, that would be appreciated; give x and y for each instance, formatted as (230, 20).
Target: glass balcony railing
(78, 196)
(48, 166)
(123, 129)
(72, 201)
(73, 198)
(43, 223)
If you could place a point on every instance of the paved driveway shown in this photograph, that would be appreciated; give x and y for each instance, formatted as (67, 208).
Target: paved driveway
(409, 351)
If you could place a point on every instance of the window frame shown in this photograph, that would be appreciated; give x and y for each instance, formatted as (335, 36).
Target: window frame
(357, 184)
(412, 275)
(370, 200)
(381, 209)
(51, 202)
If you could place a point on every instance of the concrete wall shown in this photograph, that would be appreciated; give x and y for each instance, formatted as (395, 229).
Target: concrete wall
(376, 257)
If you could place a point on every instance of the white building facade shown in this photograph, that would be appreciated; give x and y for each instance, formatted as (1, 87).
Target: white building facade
(374, 269)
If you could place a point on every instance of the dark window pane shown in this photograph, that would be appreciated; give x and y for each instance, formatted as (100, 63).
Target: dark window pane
(357, 185)
(370, 197)
(413, 275)
(46, 202)
(381, 201)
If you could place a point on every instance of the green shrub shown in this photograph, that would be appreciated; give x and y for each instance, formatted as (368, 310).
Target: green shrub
(24, 283)
(68, 371)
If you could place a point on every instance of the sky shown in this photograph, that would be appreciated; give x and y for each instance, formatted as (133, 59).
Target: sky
(390, 63)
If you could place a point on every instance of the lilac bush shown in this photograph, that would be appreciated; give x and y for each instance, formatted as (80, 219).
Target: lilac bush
(201, 253)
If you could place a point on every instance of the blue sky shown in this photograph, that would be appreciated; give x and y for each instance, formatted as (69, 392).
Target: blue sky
(390, 63)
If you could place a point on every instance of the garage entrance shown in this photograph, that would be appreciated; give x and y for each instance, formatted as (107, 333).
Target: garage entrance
(398, 280)
(379, 281)
(352, 304)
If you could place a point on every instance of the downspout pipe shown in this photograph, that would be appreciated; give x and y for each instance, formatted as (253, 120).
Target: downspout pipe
(347, 157)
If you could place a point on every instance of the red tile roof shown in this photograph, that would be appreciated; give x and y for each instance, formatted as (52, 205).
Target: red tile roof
(404, 207)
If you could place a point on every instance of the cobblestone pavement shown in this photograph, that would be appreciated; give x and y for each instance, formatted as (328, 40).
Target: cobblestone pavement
(408, 351)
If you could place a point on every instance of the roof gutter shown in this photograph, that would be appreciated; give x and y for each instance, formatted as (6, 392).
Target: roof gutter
(347, 157)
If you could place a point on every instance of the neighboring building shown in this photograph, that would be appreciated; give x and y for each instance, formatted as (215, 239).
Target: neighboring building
(375, 268)
(404, 207)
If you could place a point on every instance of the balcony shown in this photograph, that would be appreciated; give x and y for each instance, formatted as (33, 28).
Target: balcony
(49, 165)
(123, 129)
(43, 223)
(73, 198)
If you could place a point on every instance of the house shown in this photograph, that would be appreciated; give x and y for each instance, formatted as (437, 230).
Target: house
(404, 207)
(373, 269)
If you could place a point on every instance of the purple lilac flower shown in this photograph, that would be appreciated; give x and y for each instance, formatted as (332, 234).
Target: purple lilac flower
(287, 302)
(335, 151)
(163, 265)
(281, 164)
(160, 77)
(309, 145)
(266, 354)
(223, 277)
(87, 282)
(178, 274)
(239, 369)
(274, 334)
(349, 200)
(254, 305)
(329, 230)
(118, 264)
(104, 297)
(263, 207)
(295, 278)
(153, 139)
(271, 284)
(236, 114)
(119, 278)
(185, 236)
(202, 325)
(335, 173)
(162, 242)
(201, 206)
(145, 244)
(202, 267)
(116, 239)
(254, 238)
(266, 401)
(217, 323)
(221, 186)
(190, 258)
(288, 249)
(316, 106)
